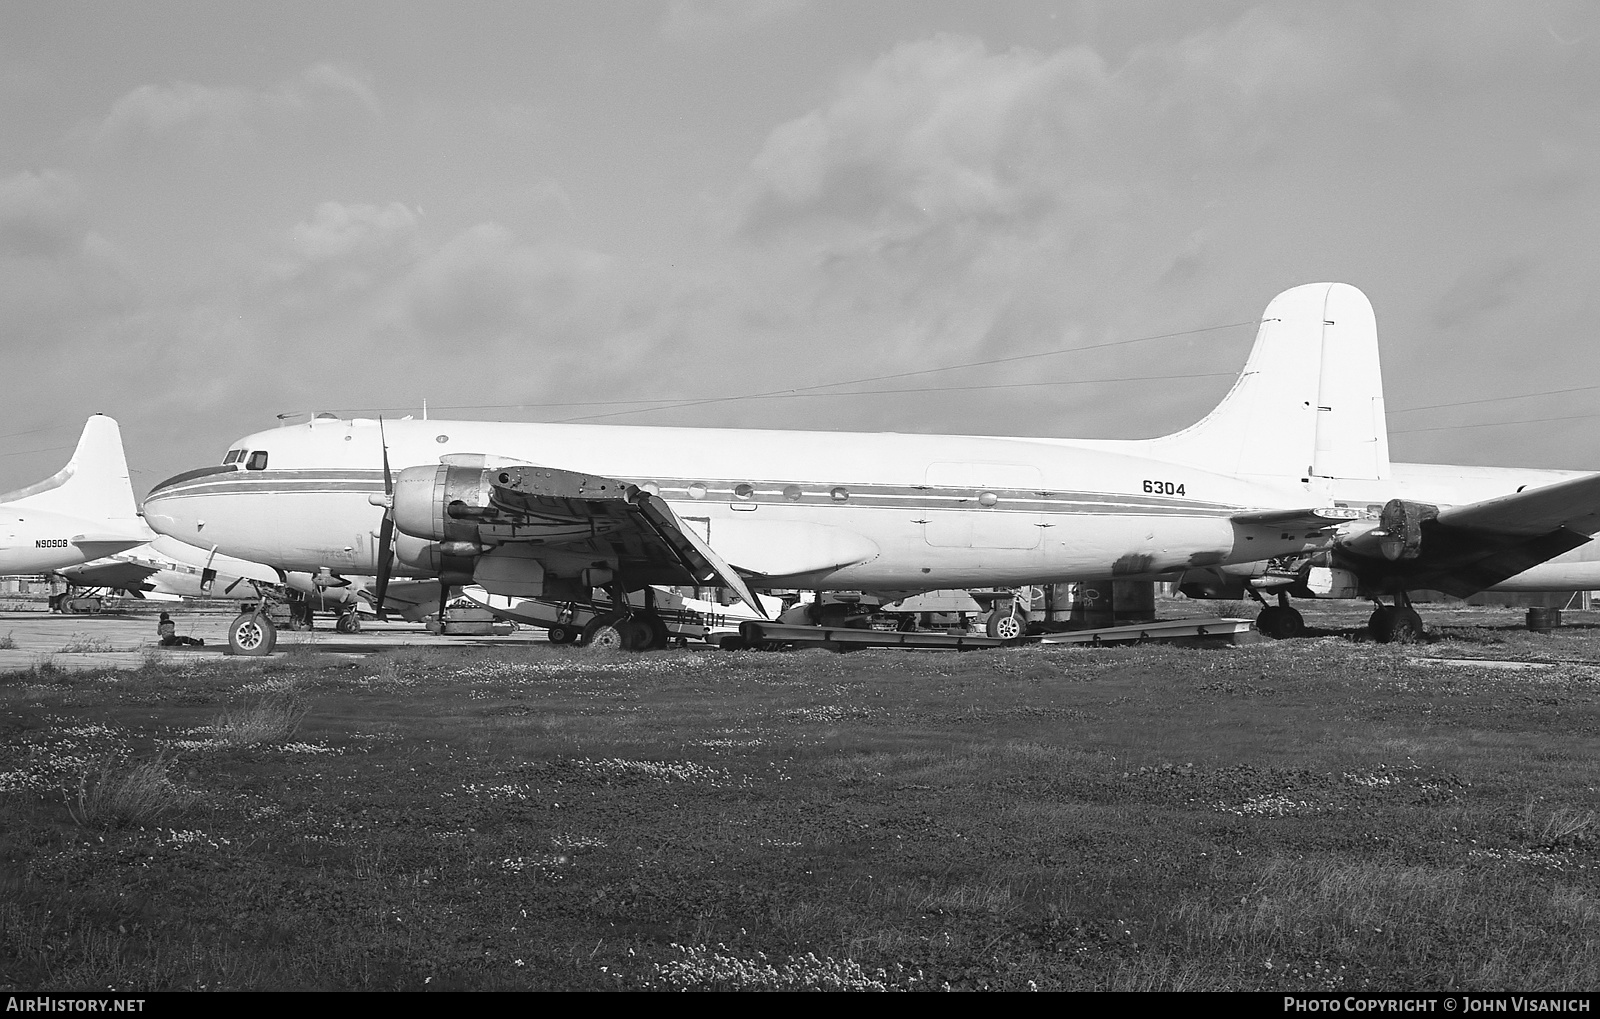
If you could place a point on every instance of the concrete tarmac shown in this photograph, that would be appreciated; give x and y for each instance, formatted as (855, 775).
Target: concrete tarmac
(114, 640)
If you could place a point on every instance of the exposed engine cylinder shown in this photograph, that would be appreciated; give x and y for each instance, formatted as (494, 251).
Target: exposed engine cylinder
(1401, 523)
(423, 497)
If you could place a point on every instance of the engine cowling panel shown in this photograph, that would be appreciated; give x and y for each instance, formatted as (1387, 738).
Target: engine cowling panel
(423, 497)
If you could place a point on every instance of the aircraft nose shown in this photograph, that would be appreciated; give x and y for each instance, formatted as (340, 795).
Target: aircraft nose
(174, 508)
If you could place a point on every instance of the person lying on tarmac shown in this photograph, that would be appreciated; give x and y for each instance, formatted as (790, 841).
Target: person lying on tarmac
(168, 631)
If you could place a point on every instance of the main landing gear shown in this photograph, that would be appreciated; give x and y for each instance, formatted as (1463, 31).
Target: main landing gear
(1280, 621)
(1397, 624)
(624, 628)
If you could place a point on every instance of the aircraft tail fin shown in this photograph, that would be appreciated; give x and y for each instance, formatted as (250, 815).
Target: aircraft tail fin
(1310, 399)
(93, 485)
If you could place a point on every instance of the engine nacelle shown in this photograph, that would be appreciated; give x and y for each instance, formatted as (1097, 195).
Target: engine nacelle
(451, 561)
(423, 497)
(1211, 584)
(1401, 526)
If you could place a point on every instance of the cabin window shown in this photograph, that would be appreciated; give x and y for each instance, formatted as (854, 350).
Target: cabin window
(257, 461)
(840, 494)
(743, 491)
(792, 493)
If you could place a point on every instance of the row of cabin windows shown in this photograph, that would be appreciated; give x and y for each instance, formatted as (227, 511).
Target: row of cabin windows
(257, 461)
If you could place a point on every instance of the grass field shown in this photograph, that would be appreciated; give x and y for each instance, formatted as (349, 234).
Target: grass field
(1323, 814)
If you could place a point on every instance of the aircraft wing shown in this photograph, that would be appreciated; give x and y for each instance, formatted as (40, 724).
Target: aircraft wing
(618, 521)
(211, 559)
(1462, 550)
(1573, 505)
(113, 573)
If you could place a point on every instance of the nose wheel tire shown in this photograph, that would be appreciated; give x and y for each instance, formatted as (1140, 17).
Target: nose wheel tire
(251, 633)
(348, 623)
(561, 633)
(1006, 626)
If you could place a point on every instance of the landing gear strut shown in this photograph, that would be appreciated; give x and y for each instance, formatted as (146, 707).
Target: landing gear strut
(1280, 621)
(627, 629)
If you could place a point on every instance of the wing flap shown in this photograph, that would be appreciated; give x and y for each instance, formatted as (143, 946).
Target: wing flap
(614, 519)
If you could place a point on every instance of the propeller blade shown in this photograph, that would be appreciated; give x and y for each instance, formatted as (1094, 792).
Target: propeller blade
(388, 479)
(385, 563)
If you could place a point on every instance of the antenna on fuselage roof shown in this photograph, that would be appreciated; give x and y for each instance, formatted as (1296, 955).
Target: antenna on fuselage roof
(286, 417)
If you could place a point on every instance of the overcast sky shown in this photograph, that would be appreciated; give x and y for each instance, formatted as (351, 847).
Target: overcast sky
(215, 212)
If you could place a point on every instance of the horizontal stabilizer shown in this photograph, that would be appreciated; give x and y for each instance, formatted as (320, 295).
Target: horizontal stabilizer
(1573, 504)
(1461, 550)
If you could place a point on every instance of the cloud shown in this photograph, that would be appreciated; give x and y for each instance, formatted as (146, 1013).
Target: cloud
(155, 118)
(699, 21)
(40, 215)
(55, 273)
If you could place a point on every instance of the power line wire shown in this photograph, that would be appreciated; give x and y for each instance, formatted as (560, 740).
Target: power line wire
(921, 371)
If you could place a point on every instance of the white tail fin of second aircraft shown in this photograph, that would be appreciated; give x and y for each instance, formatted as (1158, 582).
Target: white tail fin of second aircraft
(1310, 399)
(93, 485)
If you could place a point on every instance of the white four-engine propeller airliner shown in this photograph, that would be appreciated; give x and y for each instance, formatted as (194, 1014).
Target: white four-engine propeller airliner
(1293, 462)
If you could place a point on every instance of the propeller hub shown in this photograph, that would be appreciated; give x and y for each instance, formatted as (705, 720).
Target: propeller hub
(384, 500)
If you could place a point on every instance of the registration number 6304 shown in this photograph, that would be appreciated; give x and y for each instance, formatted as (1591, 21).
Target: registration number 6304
(1164, 487)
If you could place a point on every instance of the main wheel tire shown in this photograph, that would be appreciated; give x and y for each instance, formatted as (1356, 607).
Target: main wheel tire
(251, 633)
(1280, 622)
(607, 633)
(1408, 627)
(635, 633)
(1381, 623)
(1006, 625)
(657, 636)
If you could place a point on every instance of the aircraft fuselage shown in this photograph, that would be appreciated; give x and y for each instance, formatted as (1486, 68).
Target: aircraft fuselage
(817, 509)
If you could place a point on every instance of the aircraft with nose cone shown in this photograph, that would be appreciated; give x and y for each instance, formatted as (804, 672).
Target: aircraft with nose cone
(1293, 461)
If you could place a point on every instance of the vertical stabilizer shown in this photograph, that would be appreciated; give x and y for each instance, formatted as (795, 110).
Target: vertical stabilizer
(92, 486)
(1310, 399)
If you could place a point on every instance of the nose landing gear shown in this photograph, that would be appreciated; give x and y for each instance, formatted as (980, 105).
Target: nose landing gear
(252, 633)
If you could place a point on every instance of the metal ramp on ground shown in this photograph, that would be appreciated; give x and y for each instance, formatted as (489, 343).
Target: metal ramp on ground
(845, 638)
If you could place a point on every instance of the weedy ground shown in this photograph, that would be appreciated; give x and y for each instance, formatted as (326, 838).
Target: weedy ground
(1323, 814)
